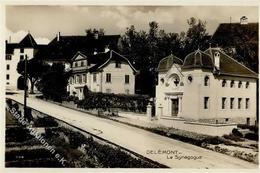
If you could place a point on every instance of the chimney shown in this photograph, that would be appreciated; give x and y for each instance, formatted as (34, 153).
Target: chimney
(107, 49)
(217, 60)
(58, 36)
(10, 39)
(243, 20)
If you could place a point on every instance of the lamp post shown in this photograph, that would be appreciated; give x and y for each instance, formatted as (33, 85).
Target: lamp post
(25, 86)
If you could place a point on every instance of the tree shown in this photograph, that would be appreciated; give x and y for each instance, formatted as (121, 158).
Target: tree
(53, 83)
(35, 70)
(196, 36)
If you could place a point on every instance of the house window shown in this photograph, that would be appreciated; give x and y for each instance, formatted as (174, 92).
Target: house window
(126, 79)
(21, 57)
(224, 83)
(76, 64)
(94, 77)
(206, 81)
(247, 103)
(84, 78)
(118, 64)
(71, 80)
(224, 102)
(239, 84)
(8, 57)
(80, 78)
(7, 77)
(247, 84)
(232, 103)
(22, 50)
(206, 102)
(108, 77)
(77, 78)
(239, 103)
(232, 84)
(82, 63)
(7, 67)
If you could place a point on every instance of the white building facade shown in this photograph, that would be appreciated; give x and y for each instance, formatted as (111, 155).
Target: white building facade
(107, 72)
(16, 52)
(208, 87)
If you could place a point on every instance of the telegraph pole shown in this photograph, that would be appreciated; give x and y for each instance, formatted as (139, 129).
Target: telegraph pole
(25, 86)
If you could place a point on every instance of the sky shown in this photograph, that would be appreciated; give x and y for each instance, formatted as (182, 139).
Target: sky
(44, 22)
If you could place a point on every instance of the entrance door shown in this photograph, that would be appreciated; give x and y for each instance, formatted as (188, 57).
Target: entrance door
(175, 107)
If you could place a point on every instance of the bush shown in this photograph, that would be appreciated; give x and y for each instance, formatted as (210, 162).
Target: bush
(17, 134)
(253, 128)
(252, 136)
(45, 122)
(237, 133)
(105, 101)
(233, 137)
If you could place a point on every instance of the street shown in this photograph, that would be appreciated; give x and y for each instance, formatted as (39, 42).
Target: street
(150, 145)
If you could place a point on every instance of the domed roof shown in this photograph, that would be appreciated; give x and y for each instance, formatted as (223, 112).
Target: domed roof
(166, 63)
(198, 59)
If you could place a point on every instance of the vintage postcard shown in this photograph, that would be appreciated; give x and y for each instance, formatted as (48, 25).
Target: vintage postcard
(138, 87)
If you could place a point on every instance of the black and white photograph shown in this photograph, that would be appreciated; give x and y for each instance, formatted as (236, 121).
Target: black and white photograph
(136, 87)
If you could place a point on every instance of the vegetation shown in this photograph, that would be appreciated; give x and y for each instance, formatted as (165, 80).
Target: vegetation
(35, 70)
(105, 101)
(54, 82)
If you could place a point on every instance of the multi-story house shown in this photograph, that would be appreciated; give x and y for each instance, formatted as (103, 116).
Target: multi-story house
(107, 72)
(16, 52)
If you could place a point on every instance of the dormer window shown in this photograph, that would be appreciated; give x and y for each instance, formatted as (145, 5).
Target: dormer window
(76, 64)
(118, 64)
(82, 63)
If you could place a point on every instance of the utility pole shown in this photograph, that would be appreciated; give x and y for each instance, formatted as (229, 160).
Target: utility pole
(25, 86)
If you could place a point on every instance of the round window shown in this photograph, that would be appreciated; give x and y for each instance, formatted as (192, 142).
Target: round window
(190, 78)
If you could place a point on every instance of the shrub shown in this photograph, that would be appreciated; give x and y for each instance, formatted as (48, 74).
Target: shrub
(106, 101)
(45, 122)
(253, 128)
(233, 137)
(236, 132)
(17, 134)
(252, 136)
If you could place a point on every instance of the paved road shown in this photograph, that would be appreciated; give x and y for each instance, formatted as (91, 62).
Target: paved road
(138, 140)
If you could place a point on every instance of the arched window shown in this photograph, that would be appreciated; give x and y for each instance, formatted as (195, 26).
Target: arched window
(206, 81)
(224, 82)
(247, 84)
(232, 84)
(239, 84)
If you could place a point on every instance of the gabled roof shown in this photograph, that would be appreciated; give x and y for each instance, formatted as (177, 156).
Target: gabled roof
(28, 42)
(229, 66)
(166, 63)
(101, 60)
(227, 34)
(65, 47)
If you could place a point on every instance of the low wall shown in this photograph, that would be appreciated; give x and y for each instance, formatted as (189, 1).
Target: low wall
(197, 127)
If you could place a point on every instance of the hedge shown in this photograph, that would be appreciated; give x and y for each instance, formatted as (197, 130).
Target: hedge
(105, 101)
